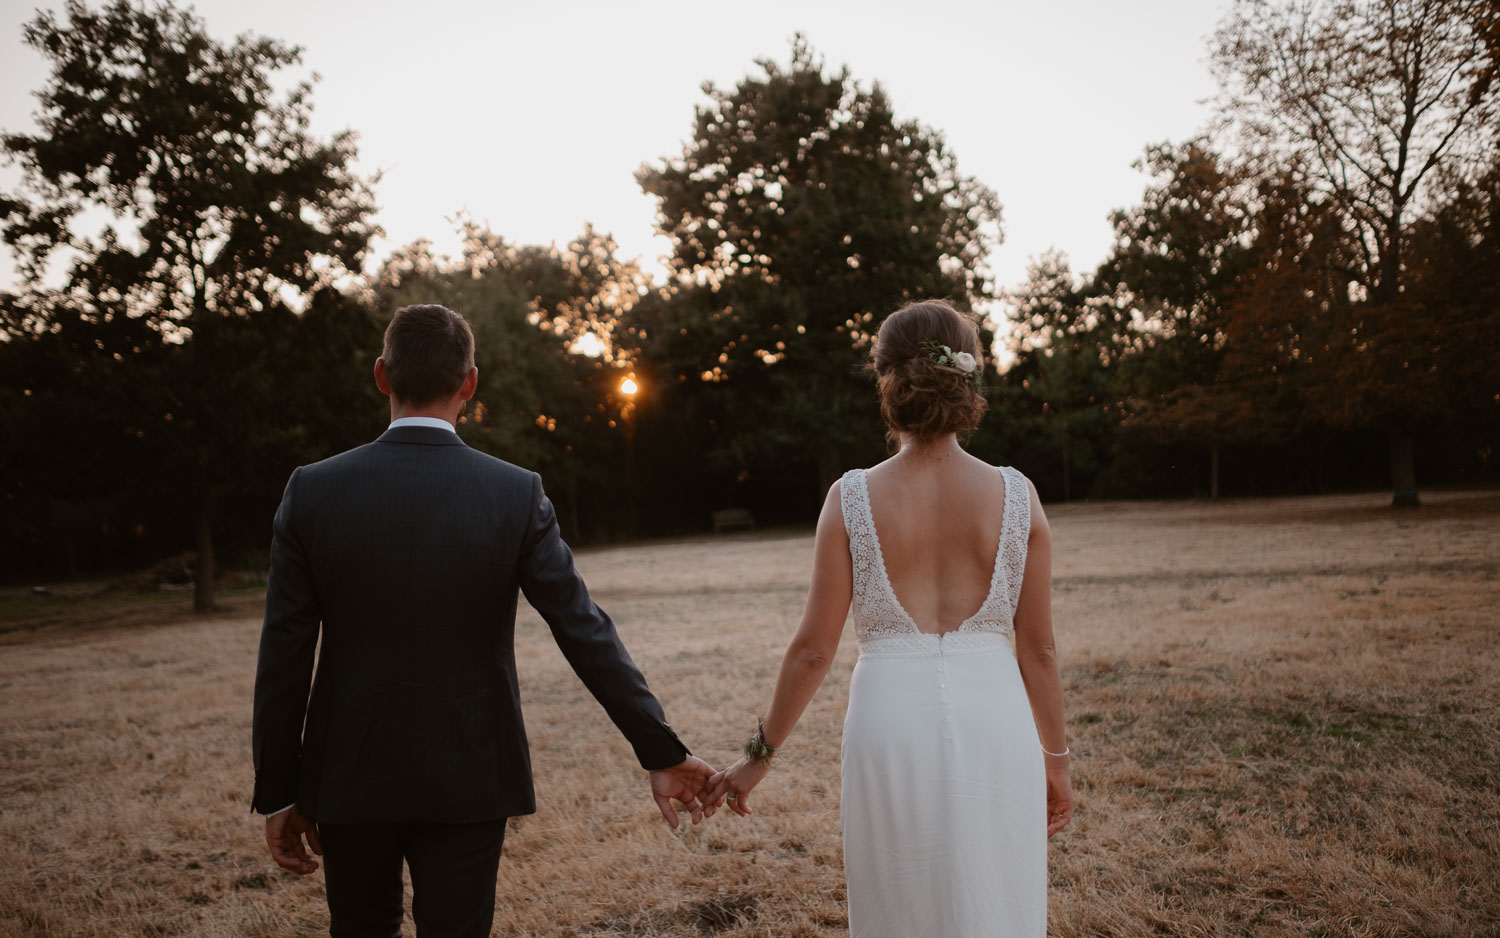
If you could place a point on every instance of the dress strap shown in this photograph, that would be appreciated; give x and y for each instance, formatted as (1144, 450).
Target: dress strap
(1016, 532)
(872, 612)
(854, 498)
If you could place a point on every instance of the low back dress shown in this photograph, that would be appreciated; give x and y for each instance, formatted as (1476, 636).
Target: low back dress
(944, 791)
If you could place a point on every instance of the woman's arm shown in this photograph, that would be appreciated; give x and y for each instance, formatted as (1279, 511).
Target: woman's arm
(1036, 653)
(807, 658)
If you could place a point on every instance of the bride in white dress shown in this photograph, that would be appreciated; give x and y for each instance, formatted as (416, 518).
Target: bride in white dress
(955, 762)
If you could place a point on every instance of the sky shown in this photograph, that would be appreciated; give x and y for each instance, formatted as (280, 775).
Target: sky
(534, 117)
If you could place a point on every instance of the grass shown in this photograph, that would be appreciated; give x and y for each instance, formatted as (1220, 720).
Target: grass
(1283, 714)
(25, 609)
(27, 613)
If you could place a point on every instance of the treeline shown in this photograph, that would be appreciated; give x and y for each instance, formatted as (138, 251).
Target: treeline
(1319, 302)
(1312, 302)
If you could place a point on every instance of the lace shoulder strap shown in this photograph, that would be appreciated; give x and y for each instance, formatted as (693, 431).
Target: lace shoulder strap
(871, 610)
(854, 498)
(1016, 532)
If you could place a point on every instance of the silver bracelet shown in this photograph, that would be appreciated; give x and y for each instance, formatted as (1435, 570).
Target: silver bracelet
(1058, 755)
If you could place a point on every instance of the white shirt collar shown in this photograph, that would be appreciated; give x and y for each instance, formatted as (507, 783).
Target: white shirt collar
(434, 423)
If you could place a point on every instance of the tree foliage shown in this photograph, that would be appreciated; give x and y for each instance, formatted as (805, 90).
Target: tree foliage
(1065, 367)
(1382, 105)
(224, 216)
(800, 212)
(1376, 100)
(193, 320)
(542, 402)
(218, 199)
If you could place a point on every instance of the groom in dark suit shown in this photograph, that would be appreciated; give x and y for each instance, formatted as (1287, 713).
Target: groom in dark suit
(407, 554)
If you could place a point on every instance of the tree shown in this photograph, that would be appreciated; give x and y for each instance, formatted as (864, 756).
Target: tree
(1453, 287)
(1175, 262)
(67, 450)
(1066, 350)
(800, 211)
(1377, 101)
(1487, 24)
(224, 217)
(1177, 253)
(581, 293)
(542, 402)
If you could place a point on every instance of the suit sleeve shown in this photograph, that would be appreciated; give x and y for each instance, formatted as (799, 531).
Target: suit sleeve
(588, 638)
(283, 673)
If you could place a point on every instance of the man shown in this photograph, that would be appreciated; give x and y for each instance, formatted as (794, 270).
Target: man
(407, 554)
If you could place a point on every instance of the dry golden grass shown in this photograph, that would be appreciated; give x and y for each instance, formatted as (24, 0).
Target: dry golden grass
(1284, 714)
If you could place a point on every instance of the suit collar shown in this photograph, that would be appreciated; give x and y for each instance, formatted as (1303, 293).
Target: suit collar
(425, 436)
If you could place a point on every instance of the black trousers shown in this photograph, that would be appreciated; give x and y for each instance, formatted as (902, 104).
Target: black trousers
(453, 872)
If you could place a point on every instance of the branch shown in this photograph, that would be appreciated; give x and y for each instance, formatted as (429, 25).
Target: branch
(1437, 151)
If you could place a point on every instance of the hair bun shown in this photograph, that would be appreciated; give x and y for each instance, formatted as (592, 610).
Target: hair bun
(918, 395)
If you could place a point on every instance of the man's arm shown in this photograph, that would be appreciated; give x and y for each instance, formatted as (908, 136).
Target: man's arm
(589, 641)
(283, 674)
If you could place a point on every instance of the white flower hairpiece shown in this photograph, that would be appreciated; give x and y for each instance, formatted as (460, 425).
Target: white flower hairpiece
(961, 362)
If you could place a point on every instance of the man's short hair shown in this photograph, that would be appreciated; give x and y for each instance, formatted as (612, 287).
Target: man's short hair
(429, 351)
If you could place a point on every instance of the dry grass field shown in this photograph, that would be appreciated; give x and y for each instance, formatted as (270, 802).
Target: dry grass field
(1284, 715)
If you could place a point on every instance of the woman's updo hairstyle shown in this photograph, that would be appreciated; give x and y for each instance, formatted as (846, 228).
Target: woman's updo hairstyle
(918, 395)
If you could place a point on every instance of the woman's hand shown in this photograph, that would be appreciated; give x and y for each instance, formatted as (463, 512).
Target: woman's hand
(1059, 793)
(733, 785)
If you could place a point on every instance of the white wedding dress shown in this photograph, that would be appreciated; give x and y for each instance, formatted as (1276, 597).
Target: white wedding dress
(944, 791)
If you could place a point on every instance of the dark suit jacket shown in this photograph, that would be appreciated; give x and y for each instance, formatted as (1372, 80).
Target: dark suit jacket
(408, 553)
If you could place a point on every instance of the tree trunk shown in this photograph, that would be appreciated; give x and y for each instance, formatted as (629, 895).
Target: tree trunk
(203, 566)
(1403, 472)
(829, 468)
(632, 497)
(1067, 482)
(1213, 471)
(70, 539)
(575, 536)
(1390, 261)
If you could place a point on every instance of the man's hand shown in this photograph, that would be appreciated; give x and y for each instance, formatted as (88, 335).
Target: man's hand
(284, 833)
(683, 782)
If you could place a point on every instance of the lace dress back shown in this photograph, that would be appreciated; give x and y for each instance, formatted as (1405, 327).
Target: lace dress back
(879, 615)
(943, 792)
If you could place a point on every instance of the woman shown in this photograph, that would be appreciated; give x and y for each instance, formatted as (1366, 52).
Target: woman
(951, 782)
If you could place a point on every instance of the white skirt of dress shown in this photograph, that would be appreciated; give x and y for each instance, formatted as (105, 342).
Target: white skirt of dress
(944, 792)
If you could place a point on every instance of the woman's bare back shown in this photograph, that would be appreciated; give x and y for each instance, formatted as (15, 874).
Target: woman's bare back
(938, 514)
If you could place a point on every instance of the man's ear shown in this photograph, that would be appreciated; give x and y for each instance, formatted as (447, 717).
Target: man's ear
(381, 381)
(470, 385)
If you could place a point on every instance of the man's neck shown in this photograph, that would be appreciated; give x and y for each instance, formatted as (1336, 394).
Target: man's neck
(449, 414)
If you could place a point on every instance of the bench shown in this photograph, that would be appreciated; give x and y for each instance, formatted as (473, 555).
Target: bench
(728, 518)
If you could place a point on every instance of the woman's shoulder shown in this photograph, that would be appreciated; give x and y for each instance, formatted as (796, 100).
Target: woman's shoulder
(1037, 517)
(845, 486)
(1011, 472)
(1021, 492)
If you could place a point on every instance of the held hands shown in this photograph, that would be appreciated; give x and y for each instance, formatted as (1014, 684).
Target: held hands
(284, 833)
(701, 791)
(734, 784)
(687, 783)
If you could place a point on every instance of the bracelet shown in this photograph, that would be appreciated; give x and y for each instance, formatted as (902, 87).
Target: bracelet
(1067, 751)
(756, 748)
